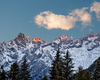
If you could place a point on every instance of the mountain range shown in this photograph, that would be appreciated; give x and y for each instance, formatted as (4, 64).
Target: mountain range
(40, 54)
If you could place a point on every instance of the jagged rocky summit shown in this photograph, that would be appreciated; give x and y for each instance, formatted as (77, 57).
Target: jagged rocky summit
(40, 54)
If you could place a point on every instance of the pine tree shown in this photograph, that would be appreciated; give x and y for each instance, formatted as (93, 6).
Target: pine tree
(44, 78)
(3, 74)
(96, 75)
(14, 71)
(80, 73)
(53, 71)
(56, 69)
(25, 74)
(67, 67)
(87, 75)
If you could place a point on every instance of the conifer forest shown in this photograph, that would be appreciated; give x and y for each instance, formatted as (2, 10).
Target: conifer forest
(61, 69)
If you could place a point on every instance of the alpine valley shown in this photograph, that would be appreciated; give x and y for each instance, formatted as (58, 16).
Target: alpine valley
(40, 54)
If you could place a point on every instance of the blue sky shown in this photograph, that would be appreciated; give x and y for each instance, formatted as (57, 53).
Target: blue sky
(48, 19)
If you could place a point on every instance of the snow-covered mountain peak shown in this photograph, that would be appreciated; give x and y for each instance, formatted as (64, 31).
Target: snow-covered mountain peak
(20, 37)
(40, 54)
(90, 35)
(70, 38)
(37, 39)
(63, 37)
(27, 37)
(98, 34)
(3, 43)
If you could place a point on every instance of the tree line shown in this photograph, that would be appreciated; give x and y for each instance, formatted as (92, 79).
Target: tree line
(62, 69)
(16, 72)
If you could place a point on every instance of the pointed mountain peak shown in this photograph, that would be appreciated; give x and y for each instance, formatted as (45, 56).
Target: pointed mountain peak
(37, 39)
(71, 37)
(63, 37)
(20, 37)
(3, 43)
(90, 35)
(98, 34)
(27, 37)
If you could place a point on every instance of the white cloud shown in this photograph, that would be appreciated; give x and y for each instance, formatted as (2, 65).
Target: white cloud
(96, 8)
(82, 15)
(50, 20)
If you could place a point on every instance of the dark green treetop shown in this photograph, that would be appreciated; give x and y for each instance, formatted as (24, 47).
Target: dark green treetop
(14, 71)
(25, 74)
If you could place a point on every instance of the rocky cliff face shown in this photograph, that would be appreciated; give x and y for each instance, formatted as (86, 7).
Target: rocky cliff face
(39, 55)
